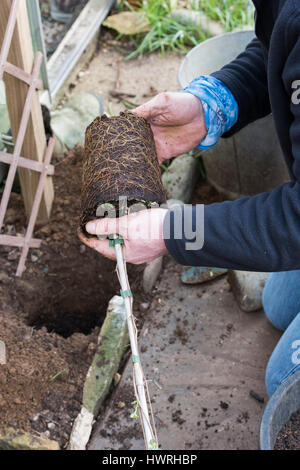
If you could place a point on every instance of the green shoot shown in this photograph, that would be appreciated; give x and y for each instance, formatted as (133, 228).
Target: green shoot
(166, 33)
(135, 414)
(153, 445)
(127, 104)
(171, 34)
(58, 374)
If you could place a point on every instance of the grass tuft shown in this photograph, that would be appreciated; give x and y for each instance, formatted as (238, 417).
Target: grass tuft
(171, 34)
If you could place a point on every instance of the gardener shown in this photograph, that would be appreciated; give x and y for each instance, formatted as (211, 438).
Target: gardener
(260, 233)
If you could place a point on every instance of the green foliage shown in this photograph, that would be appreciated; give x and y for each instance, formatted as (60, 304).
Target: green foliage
(231, 13)
(167, 33)
(171, 34)
(153, 445)
(58, 374)
(135, 414)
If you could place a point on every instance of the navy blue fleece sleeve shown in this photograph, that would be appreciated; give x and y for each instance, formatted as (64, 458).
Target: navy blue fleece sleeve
(246, 78)
(260, 233)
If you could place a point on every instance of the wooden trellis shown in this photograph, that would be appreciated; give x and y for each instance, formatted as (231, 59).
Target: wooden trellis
(15, 160)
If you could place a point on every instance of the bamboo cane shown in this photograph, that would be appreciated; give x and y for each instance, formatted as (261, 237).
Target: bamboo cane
(140, 385)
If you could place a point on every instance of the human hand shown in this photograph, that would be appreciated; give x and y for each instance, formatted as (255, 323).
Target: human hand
(142, 233)
(177, 122)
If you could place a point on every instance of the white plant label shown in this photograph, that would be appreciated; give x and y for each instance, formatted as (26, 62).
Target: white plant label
(2, 353)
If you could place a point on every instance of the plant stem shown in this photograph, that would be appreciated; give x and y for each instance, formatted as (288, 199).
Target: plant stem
(149, 435)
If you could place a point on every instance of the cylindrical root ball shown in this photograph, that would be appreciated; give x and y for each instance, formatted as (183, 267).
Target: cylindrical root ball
(120, 161)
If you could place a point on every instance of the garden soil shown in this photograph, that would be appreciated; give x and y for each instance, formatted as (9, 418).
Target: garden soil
(51, 317)
(289, 436)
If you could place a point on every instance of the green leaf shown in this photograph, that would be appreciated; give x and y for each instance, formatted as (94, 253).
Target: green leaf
(58, 374)
(135, 414)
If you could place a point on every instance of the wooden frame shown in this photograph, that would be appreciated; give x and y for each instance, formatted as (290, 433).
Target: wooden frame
(15, 160)
(17, 49)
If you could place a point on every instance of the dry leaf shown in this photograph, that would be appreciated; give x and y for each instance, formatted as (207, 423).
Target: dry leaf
(128, 22)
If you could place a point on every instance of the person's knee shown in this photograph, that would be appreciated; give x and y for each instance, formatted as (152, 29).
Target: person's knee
(285, 359)
(281, 299)
(271, 306)
(273, 379)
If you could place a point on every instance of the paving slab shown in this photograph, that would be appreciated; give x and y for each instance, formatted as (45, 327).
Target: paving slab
(202, 357)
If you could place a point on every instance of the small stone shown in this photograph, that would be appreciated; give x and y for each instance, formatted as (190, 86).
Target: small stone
(151, 273)
(34, 258)
(171, 398)
(4, 278)
(27, 337)
(2, 401)
(51, 426)
(69, 123)
(173, 203)
(120, 404)
(127, 444)
(11, 230)
(117, 378)
(35, 417)
(13, 255)
(181, 177)
(143, 306)
(91, 347)
(248, 288)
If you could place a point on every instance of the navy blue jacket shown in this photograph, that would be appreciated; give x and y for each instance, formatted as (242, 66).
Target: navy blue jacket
(260, 233)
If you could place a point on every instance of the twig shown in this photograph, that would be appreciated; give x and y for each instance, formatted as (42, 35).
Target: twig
(121, 94)
(122, 97)
(118, 84)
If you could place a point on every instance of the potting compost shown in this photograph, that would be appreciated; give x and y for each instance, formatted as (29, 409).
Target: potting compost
(289, 436)
(120, 161)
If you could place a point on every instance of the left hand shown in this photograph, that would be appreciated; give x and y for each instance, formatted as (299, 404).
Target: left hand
(177, 121)
(142, 233)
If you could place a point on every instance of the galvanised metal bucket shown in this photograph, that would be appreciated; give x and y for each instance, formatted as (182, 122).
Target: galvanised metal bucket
(284, 402)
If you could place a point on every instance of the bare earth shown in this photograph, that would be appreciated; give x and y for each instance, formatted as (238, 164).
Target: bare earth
(143, 78)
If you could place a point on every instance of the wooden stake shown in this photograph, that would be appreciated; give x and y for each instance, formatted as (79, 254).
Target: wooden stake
(34, 146)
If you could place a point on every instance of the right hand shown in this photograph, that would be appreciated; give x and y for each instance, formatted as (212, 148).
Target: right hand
(177, 122)
(142, 233)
